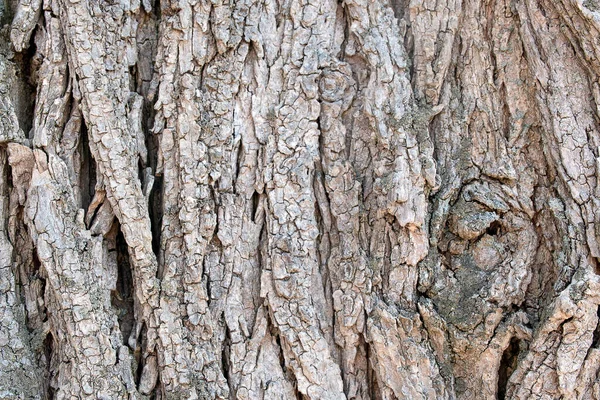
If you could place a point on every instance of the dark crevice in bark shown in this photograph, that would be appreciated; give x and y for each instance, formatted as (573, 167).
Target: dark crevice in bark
(278, 341)
(23, 97)
(133, 78)
(122, 298)
(6, 13)
(596, 264)
(494, 229)
(225, 357)
(596, 336)
(93, 216)
(508, 364)
(87, 176)
(257, 301)
(48, 353)
(239, 152)
(23, 276)
(141, 168)
(435, 125)
(205, 274)
(255, 202)
(139, 356)
(155, 208)
(6, 185)
(399, 7)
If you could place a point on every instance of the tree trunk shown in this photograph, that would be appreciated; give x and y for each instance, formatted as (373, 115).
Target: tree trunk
(291, 199)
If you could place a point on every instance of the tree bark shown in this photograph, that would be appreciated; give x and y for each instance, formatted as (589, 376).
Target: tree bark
(304, 199)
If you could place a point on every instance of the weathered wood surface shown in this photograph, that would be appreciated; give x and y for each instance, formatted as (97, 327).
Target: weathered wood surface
(299, 199)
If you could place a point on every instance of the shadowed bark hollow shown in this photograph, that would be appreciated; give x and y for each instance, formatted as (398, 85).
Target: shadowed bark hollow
(299, 199)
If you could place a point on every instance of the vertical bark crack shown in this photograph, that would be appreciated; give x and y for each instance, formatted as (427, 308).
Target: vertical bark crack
(508, 364)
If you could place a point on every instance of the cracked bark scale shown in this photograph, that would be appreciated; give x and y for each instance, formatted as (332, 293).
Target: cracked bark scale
(299, 199)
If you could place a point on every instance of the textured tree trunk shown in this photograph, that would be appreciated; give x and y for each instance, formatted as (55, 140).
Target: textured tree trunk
(300, 199)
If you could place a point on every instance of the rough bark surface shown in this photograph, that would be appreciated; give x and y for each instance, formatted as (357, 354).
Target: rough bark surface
(300, 199)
